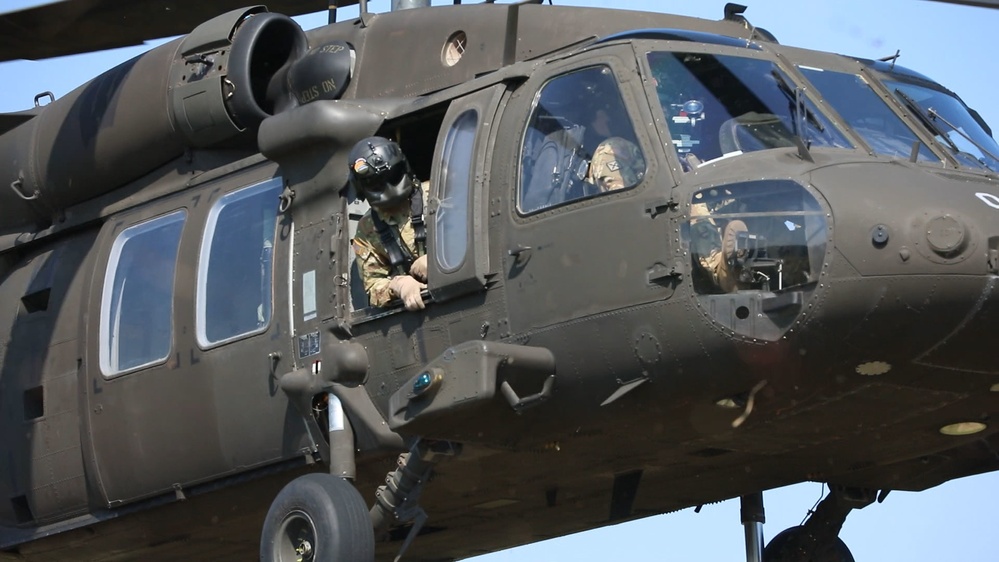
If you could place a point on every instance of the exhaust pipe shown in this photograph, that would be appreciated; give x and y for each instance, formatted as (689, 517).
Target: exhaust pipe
(409, 4)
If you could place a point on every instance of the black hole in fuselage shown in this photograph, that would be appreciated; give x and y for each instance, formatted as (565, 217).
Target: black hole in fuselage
(37, 301)
(742, 313)
(34, 403)
(22, 511)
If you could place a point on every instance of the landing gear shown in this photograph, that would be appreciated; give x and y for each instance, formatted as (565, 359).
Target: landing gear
(398, 501)
(816, 540)
(753, 518)
(318, 518)
(782, 548)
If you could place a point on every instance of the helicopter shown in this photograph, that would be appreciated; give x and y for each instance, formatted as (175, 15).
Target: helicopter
(540, 392)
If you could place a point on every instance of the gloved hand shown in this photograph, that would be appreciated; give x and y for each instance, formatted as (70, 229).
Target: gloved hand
(419, 268)
(408, 289)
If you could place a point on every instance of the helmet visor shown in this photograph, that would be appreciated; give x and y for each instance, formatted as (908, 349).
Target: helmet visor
(382, 178)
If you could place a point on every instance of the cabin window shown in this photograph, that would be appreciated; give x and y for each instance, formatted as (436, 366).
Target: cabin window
(234, 273)
(869, 116)
(579, 142)
(137, 301)
(719, 106)
(456, 175)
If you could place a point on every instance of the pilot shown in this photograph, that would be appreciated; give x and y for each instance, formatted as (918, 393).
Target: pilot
(617, 162)
(390, 243)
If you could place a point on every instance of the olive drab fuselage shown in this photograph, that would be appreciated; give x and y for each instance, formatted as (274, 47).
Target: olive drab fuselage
(185, 331)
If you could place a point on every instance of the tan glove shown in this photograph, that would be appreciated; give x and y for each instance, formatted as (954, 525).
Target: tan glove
(419, 268)
(408, 289)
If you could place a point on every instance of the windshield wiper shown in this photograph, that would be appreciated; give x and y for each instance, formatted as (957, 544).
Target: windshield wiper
(796, 98)
(925, 119)
(936, 115)
(928, 119)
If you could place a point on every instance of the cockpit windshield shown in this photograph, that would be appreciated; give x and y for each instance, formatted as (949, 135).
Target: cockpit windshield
(951, 122)
(868, 114)
(719, 106)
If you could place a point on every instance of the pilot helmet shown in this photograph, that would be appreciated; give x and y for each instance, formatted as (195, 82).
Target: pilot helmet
(380, 173)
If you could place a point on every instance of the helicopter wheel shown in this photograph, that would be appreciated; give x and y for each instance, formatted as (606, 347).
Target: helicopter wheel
(317, 518)
(781, 549)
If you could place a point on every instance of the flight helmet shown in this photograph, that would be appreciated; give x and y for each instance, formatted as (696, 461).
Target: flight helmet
(380, 172)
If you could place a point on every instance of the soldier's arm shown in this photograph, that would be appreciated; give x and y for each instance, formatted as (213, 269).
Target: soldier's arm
(374, 273)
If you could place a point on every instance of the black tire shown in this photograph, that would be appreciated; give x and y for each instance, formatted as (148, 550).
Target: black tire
(318, 518)
(780, 549)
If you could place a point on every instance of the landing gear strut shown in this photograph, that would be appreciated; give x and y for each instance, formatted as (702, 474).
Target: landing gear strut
(753, 518)
(397, 502)
(816, 540)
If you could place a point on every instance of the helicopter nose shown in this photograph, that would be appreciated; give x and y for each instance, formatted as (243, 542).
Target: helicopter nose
(893, 219)
(915, 258)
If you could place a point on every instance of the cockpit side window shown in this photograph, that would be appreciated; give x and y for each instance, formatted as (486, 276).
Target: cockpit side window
(869, 116)
(579, 142)
(720, 106)
(234, 273)
(137, 300)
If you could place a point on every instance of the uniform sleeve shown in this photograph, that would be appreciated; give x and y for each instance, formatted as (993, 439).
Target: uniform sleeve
(617, 163)
(372, 264)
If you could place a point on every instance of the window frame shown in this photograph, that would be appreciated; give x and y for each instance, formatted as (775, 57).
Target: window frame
(454, 217)
(471, 275)
(204, 261)
(112, 292)
(634, 136)
(669, 123)
(926, 154)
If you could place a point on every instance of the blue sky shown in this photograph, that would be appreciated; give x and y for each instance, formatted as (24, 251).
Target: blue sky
(955, 45)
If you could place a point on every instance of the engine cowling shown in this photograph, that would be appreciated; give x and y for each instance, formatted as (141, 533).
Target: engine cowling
(210, 88)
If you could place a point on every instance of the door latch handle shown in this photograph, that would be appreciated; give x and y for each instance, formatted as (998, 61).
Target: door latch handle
(516, 252)
(520, 254)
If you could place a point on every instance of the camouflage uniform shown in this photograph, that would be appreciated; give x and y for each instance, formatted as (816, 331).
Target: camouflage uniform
(617, 163)
(715, 250)
(372, 260)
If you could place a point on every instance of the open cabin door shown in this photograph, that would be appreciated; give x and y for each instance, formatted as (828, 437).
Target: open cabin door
(448, 146)
(458, 214)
